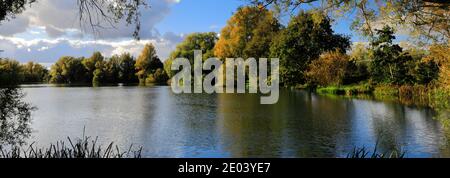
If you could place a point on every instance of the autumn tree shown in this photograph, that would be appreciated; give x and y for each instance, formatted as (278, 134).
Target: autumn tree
(248, 33)
(329, 69)
(301, 42)
(440, 54)
(147, 63)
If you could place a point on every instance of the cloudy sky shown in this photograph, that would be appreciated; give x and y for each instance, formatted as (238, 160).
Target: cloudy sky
(50, 29)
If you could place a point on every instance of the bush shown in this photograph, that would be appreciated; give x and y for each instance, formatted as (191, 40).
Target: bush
(329, 69)
(159, 77)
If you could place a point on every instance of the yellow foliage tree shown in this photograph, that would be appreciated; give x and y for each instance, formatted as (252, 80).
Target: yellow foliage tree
(248, 33)
(329, 69)
(441, 55)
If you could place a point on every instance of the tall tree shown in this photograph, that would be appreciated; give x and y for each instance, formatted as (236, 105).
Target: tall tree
(302, 41)
(147, 62)
(194, 41)
(248, 33)
(91, 63)
(68, 70)
(127, 71)
(389, 64)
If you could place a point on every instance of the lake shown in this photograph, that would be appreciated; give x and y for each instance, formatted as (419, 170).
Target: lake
(301, 124)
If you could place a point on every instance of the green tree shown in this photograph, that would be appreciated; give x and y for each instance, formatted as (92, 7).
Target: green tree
(15, 117)
(10, 72)
(159, 77)
(301, 42)
(248, 33)
(68, 70)
(147, 62)
(194, 41)
(91, 63)
(112, 69)
(100, 73)
(390, 65)
(34, 72)
(127, 72)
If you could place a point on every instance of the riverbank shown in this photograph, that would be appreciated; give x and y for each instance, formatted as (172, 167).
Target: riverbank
(406, 94)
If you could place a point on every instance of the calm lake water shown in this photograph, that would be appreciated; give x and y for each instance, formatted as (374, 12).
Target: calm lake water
(301, 124)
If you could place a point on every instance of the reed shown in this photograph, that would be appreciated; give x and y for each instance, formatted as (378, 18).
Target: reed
(84, 147)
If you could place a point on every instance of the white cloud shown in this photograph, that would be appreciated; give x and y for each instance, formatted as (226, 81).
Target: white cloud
(50, 29)
(49, 50)
(59, 17)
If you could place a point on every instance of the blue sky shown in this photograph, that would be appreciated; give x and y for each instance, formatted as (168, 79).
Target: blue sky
(39, 35)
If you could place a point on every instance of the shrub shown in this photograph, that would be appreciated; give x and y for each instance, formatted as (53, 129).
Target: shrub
(329, 69)
(159, 77)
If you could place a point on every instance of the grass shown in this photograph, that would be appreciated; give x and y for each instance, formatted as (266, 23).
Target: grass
(363, 152)
(80, 148)
(348, 90)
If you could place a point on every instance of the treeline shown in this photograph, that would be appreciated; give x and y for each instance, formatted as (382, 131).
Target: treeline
(146, 69)
(124, 68)
(12, 72)
(312, 55)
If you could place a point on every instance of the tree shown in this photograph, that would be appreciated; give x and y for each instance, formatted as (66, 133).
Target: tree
(390, 64)
(248, 33)
(91, 63)
(127, 72)
(301, 42)
(100, 73)
(329, 69)
(357, 68)
(427, 18)
(147, 62)
(194, 41)
(440, 54)
(112, 69)
(15, 117)
(68, 70)
(96, 13)
(34, 72)
(10, 72)
(159, 77)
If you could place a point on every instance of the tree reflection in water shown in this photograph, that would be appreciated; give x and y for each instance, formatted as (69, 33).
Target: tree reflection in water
(15, 117)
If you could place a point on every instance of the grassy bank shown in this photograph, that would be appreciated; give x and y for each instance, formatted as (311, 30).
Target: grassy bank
(405, 94)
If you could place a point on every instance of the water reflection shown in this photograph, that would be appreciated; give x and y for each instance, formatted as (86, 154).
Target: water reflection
(301, 124)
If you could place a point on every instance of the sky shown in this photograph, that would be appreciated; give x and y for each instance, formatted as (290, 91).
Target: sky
(51, 29)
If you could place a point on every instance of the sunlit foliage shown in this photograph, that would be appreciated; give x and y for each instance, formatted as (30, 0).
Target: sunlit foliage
(248, 33)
